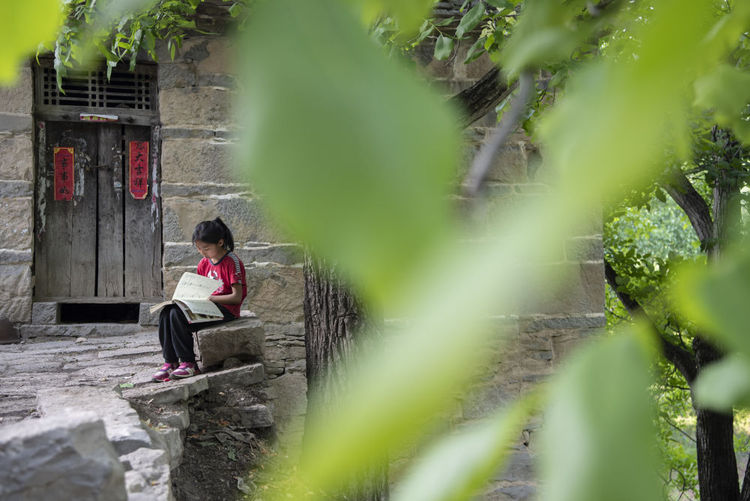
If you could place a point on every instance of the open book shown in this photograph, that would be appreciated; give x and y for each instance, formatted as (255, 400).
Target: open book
(191, 296)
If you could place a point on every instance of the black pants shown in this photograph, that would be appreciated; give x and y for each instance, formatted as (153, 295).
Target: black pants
(176, 334)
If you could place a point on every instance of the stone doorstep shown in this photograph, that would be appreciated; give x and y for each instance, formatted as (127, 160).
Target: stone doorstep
(29, 331)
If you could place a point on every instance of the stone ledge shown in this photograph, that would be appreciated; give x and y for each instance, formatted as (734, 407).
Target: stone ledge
(243, 339)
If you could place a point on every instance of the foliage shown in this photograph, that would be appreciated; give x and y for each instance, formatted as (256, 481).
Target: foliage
(361, 173)
(121, 30)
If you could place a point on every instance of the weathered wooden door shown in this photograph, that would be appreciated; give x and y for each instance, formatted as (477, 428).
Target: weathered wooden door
(102, 241)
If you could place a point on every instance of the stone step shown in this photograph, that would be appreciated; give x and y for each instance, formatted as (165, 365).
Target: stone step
(180, 390)
(31, 331)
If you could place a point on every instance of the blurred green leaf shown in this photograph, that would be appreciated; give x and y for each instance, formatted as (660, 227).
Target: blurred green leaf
(716, 299)
(31, 23)
(470, 19)
(598, 439)
(726, 90)
(724, 384)
(364, 184)
(443, 47)
(462, 464)
(408, 13)
(543, 34)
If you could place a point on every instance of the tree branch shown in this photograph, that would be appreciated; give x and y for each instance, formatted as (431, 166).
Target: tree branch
(482, 97)
(505, 128)
(684, 194)
(681, 358)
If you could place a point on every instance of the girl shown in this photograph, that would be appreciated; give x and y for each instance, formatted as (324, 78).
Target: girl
(215, 243)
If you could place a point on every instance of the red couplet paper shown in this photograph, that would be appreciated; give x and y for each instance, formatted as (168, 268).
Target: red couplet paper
(139, 169)
(64, 173)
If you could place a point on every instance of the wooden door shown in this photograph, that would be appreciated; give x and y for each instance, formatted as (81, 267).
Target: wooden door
(103, 243)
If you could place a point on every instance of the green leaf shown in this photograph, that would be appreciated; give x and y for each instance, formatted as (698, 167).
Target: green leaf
(470, 19)
(475, 51)
(462, 464)
(126, 385)
(599, 403)
(724, 384)
(726, 91)
(27, 24)
(379, 169)
(443, 48)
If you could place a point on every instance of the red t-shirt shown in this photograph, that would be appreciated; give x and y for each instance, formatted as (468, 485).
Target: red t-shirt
(229, 270)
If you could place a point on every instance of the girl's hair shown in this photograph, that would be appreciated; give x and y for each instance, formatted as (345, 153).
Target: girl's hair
(213, 231)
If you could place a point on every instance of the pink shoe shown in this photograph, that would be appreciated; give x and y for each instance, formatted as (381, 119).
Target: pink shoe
(162, 375)
(186, 369)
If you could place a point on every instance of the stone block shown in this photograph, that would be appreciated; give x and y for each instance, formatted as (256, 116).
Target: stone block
(208, 107)
(245, 375)
(20, 97)
(244, 216)
(573, 289)
(584, 249)
(16, 230)
(44, 313)
(516, 492)
(173, 393)
(255, 416)
(17, 310)
(176, 75)
(15, 189)
(15, 123)
(145, 317)
(219, 58)
(15, 256)
(169, 440)
(242, 339)
(276, 293)
(15, 281)
(184, 254)
(148, 474)
(196, 161)
(121, 421)
(16, 157)
(172, 190)
(288, 397)
(61, 457)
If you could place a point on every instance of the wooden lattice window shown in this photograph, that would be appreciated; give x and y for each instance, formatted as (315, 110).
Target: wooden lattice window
(129, 95)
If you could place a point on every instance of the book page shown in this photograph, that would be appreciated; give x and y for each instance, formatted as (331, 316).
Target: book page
(194, 318)
(194, 286)
(203, 307)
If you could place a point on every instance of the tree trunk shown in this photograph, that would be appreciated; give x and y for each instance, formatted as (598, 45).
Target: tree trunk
(334, 318)
(714, 433)
(714, 436)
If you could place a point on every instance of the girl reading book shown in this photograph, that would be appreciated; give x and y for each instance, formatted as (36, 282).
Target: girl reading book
(215, 243)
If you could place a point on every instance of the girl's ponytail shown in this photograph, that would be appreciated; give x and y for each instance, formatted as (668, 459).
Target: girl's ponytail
(228, 238)
(213, 231)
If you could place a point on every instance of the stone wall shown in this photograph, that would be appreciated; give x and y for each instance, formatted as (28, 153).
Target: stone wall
(16, 201)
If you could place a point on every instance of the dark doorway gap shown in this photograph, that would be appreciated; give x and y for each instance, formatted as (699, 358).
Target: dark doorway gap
(88, 313)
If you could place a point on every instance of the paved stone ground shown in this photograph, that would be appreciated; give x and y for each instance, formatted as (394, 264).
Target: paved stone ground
(42, 364)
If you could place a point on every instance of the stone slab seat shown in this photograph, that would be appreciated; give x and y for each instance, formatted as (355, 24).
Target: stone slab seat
(243, 339)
